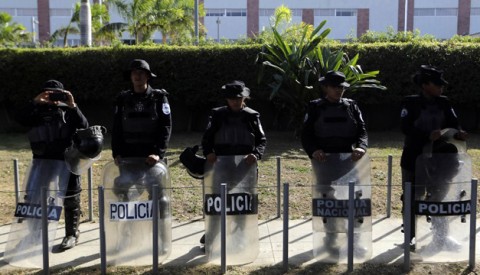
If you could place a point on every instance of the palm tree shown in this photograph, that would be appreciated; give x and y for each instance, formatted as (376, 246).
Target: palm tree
(99, 31)
(139, 15)
(11, 33)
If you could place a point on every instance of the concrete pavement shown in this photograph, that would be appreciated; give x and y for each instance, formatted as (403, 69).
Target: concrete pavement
(386, 244)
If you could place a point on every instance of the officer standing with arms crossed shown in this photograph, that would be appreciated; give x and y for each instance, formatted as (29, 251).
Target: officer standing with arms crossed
(54, 117)
(423, 116)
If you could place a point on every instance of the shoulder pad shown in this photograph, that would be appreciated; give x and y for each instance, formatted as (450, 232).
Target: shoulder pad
(219, 109)
(249, 110)
(160, 91)
(412, 97)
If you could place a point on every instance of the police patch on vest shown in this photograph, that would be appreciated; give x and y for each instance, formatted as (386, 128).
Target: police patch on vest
(139, 107)
(339, 208)
(404, 113)
(451, 208)
(131, 211)
(27, 210)
(237, 204)
(166, 108)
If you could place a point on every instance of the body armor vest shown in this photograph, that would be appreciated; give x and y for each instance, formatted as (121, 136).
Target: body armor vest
(431, 118)
(235, 131)
(335, 125)
(140, 120)
(51, 128)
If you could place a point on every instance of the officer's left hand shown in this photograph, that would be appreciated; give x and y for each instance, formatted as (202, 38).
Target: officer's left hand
(250, 159)
(70, 101)
(357, 154)
(152, 159)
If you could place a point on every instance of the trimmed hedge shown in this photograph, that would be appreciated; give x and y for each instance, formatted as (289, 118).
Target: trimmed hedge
(194, 75)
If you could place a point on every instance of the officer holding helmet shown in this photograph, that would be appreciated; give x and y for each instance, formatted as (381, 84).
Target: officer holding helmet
(54, 118)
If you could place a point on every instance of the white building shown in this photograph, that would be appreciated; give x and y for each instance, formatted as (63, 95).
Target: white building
(242, 18)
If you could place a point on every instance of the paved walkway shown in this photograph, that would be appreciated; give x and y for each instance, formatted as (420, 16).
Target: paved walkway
(386, 240)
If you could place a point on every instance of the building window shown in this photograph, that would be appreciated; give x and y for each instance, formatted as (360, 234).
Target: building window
(226, 12)
(266, 12)
(475, 12)
(324, 12)
(215, 12)
(9, 11)
(436, 12)
(61, 12)
(297, 12)
(236, 12)
(26, 12)
(334, 12)
(346, 12)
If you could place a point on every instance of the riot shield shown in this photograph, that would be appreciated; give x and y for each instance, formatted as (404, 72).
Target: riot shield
(77, 162)
(128, 207)
(442, 205)
(24, 246)
(242, 214)
(330, 208)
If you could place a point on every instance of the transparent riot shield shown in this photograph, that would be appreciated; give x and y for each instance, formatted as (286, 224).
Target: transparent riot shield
(77, 162)
(128, 211)
(330, 208)
(442, 206)
(24, 246)
(242, 210)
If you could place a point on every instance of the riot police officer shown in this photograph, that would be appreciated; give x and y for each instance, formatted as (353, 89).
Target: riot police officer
(54, 118)
(334, 125)
(423, 116)
(234, 129)
(141, 126)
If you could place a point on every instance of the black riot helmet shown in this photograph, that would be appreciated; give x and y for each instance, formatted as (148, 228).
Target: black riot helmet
(89, 141)
(194, 163)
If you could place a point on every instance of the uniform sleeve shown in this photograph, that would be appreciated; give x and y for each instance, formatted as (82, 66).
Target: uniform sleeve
(308, 134)
(76, 118)
(165, 127)
(117, 136)
(208, 139)
(260, 138)
(362, 136)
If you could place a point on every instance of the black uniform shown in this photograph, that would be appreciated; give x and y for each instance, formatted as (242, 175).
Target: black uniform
(420, 116)
(142, 124)
(51, 133)
(333, 127)
(234, 133)
(142, 127)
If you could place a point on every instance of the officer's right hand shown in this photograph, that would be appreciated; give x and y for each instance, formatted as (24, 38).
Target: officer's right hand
(117, 160)
(319, 155)
(212, 157)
